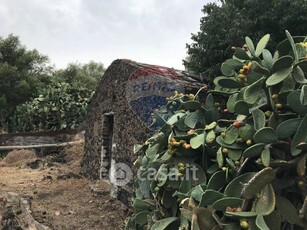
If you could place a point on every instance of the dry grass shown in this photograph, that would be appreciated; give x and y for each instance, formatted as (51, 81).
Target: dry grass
(61, 201)
(74, 153)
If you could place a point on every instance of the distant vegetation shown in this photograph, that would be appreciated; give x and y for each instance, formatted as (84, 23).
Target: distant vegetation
(225, 25)
(36, 96)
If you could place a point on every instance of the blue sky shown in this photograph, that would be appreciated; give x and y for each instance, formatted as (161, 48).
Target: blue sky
(148, 31)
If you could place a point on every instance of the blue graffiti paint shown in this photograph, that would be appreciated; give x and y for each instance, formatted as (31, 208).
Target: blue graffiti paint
(148, 88)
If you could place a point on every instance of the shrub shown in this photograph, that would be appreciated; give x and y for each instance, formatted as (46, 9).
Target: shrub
(242, 165)
(62, 106)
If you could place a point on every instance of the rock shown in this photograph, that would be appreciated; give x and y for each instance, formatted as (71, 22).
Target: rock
(100, 187)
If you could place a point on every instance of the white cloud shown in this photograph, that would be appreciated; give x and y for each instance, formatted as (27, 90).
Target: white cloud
(149, 31)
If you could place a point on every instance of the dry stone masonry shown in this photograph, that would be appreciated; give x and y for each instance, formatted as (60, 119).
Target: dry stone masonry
(120, 112)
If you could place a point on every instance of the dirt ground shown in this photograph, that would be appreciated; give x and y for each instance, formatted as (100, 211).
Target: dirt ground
(60, 197)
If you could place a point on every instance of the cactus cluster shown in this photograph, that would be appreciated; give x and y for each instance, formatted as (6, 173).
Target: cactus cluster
(249, 154)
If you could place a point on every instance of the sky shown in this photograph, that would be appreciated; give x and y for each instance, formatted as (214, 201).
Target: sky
(78, 31)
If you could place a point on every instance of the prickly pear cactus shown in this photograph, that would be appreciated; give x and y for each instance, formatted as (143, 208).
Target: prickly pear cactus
(242, 166)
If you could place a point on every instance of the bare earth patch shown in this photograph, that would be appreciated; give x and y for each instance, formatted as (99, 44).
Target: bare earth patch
(60, 197)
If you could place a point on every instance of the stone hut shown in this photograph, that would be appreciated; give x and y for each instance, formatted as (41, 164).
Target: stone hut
(120, 112)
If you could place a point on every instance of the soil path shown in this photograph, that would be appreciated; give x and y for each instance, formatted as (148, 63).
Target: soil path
(61, 198)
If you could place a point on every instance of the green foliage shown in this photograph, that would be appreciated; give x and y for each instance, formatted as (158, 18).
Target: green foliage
(25, 74)
(224, 168)
(212, 44)
(60, 107)
(86, 75)
(22, 73)
(61, 104)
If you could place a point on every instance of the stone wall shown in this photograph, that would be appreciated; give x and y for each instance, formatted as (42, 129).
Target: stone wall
(119, 114)
(37, 138)
(127, 129)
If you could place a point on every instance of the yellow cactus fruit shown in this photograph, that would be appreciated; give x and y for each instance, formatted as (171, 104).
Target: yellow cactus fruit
(249, 142)
(191, 96)
(249, 65)
(268, 114)
(274, 96)
(278, 106)
(181, 169)
(242, 76)
(225, 150)
(244, 224)
(242, 71)
(245, 67)
(179, 174)
(191, 131)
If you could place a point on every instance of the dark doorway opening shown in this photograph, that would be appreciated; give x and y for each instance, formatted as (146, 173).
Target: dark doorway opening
(107, 141)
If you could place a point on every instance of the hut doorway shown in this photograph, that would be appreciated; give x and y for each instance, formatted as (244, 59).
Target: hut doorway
(107, 142)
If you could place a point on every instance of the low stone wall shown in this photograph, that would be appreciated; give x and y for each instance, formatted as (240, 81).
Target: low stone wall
(37, 138)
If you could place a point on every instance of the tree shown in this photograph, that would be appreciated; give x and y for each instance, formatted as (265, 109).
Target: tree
(29, 86)
(86, 75)
(227, 24)
(22, 73)
(62, 104)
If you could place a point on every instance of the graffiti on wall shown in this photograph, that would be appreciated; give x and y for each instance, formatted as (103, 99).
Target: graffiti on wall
(148, 88)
